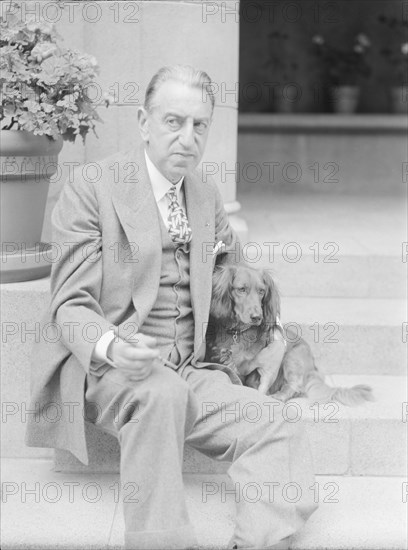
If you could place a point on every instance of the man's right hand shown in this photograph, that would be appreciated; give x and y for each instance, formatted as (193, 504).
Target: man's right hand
(134, 359)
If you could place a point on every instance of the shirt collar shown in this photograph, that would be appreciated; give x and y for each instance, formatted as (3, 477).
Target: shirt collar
(160, 184)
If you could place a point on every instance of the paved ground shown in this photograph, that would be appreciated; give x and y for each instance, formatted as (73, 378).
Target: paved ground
(365, 513)
(359, 224)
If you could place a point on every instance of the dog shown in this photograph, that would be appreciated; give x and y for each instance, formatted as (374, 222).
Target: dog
(244, 312)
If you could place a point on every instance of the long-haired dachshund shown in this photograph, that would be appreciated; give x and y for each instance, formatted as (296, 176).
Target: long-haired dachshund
(244, 310)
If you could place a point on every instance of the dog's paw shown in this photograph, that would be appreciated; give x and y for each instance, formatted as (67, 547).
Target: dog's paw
(225, 356)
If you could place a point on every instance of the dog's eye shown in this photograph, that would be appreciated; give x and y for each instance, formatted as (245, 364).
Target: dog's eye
(241, 289)
(261, 291)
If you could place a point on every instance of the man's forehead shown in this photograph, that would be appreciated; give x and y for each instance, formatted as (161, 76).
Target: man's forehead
(174, 97)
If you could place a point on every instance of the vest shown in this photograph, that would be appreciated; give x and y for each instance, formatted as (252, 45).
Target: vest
(171, 319)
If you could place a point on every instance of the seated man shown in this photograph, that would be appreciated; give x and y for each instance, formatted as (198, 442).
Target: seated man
(137, 273)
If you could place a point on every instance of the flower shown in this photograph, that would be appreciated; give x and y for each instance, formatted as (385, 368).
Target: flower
(317, 39)
(395, 49)
(363, 40)
(108, 99)
(84, 61)
(43, 50)
(92, 62)
(44, 85)
(43, 27)
(345, 64)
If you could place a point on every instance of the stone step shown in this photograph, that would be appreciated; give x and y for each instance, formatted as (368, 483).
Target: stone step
(367, 440)
(353, 276)
(316, 244)
(353, 336)
(83, 512)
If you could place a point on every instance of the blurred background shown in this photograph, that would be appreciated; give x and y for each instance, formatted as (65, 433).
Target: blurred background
(319, 44)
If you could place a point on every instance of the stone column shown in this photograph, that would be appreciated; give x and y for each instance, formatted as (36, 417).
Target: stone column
(131, 41)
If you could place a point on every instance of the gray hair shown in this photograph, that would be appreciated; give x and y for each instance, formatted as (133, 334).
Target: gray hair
(180, 73)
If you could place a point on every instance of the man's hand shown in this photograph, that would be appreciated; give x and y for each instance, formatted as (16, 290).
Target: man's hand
(134, 359)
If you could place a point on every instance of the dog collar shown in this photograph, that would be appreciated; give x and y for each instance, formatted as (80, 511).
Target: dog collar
(236, 331)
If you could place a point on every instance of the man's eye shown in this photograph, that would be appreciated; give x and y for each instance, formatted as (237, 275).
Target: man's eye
(200, 127)
(173, 123)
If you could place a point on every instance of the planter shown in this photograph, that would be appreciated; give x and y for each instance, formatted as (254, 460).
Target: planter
(285, 99)
(27, 163)
(345, 99)
(399, 99)
(284, 105)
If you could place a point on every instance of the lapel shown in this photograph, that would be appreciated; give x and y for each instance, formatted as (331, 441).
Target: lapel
(136, 208)
(201, 216)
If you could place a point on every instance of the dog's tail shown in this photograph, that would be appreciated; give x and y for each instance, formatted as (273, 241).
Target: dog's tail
(318, 390)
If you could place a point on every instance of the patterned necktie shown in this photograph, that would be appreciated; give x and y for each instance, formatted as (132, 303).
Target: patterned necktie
(179, 228)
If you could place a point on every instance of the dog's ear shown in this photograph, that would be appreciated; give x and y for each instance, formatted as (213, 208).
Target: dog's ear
(222, 306)
(271, 301)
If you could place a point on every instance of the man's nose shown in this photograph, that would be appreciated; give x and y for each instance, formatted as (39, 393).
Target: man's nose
(186, 136)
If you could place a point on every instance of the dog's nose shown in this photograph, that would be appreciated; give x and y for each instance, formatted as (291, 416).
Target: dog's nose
(255, 317)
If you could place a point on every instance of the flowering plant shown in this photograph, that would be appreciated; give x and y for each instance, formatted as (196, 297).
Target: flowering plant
(343, 66)
(44, 85)
(281, 66)
(396, 52)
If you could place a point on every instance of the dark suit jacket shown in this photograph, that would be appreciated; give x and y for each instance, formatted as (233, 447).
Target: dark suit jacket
(108, 232)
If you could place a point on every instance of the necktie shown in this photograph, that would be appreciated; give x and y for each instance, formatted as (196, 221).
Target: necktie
(179, 228)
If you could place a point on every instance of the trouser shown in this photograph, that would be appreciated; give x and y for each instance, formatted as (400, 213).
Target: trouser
(271, 466)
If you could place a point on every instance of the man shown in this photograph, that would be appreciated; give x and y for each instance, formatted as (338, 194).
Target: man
(138, 274)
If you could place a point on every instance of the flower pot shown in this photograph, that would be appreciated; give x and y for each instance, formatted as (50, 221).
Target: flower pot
(399, 99)
(27, 163)
(284, 105)
(345, 99)
(285, 98)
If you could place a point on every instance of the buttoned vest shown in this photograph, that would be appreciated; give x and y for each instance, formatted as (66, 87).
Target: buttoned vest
(171, 319)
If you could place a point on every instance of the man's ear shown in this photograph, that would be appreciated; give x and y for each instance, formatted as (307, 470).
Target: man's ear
(143, 120)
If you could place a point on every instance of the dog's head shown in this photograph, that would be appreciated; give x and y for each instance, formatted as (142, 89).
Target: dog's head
(244, 295)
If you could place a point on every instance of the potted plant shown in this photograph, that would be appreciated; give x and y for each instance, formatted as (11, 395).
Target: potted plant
(342, 69)
(44, 101)
(396, 55)
(282, 68)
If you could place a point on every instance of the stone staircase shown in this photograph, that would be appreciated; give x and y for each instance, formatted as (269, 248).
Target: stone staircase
(353, 314)
(354, 512)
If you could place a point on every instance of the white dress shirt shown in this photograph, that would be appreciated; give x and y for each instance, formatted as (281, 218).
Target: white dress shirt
(161, 186)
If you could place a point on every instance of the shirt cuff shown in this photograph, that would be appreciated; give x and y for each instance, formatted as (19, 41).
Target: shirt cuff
(99, 356)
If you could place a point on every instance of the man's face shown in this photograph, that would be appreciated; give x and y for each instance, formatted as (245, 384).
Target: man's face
(176, 128)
